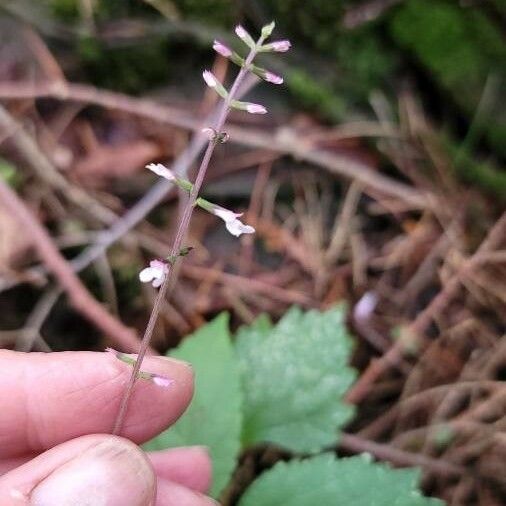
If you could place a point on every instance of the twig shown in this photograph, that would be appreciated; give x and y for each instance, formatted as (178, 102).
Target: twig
(249, 284)
(281, 142)
(417, 329)
(47, 172)
(79, 296)
(30, 333)
(400, 457)
(342, 223)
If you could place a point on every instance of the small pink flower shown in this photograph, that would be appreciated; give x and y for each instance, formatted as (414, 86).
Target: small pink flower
(241, 32)
(256, 109)
(280, 46)
(220, 48)
(233, 224)
(162, 381)
(209, 78)
(161, 170)
(155, 273)
(273, 78)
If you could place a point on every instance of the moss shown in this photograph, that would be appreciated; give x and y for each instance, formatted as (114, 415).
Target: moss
(314, 94)
(69, 10)
(460, 48)
(481, 174)
(128, 69)
(212, 12)
(66, 10)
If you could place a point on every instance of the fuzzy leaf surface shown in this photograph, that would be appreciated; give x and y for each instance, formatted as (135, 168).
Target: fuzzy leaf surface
(325, 480)
(294, 376)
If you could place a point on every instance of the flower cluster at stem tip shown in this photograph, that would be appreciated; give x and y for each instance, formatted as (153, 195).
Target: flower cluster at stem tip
(158, 269)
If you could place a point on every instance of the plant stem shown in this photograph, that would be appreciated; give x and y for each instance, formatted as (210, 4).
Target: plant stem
(178, 242)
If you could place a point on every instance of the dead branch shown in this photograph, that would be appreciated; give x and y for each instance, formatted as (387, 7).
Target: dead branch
(78, 294)
(416, 330)
(282, 142)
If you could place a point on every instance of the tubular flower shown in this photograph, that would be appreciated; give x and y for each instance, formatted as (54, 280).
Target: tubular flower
(232, 222)
(155, 273)
(220, 48)
(162, 171)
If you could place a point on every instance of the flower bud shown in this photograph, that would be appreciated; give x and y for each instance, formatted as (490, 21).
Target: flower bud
(273, 78)
(280, 46)
(222, 49)
(245, 36)
(267, 30)
(256, 109)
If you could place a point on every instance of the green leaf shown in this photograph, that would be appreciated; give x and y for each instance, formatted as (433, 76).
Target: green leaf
(214, 416)
(294, 377)
(328, 481)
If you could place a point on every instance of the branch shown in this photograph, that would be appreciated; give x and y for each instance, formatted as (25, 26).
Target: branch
(273, 141)
(78, 294)
(417, 329)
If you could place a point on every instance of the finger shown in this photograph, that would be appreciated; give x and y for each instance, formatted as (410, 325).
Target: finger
(173, 494)
(190, 466)
(98, 469)
(50, 398)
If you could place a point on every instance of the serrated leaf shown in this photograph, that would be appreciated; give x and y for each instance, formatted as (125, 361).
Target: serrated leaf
(214, 416)
(294, 377)
(325, 480)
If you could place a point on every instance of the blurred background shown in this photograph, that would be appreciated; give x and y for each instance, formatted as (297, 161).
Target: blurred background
(376, 180)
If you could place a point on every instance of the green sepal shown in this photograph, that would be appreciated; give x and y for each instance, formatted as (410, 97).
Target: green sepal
(182, 253)
(267, 30)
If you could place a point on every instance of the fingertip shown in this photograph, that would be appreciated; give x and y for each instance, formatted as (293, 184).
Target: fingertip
(173, 494)
(97, 469)
(188, 466)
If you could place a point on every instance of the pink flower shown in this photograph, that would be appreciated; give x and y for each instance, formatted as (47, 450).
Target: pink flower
(280, 46)
(233, 224)
(161, 170)
(162, 381)
(241, 32)
(273, 78)
(256, 109)
(222, 49)
(155, 273)
(209, 78)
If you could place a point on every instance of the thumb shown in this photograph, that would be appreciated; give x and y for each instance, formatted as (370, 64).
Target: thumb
(98, 469)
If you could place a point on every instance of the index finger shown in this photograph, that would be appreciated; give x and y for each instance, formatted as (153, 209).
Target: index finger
(46, 399)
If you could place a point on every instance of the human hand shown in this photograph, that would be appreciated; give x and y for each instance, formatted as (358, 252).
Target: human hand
(55, 412)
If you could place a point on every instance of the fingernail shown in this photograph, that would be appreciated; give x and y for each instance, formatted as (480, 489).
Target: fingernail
(177, 370)
(113, 472)
(168, 360)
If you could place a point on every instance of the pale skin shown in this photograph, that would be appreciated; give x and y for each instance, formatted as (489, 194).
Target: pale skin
(56, 411)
